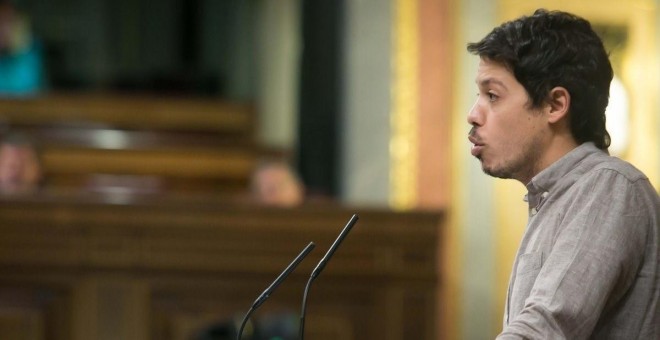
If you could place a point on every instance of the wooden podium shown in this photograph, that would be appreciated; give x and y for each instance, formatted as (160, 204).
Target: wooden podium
(127, 267)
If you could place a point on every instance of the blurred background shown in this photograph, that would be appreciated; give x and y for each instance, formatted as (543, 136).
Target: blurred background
(366, 100)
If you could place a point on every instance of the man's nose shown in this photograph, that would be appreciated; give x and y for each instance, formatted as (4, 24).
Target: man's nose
(475, 117)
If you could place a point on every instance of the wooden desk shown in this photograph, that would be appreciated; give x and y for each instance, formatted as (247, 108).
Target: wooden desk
(163, 268)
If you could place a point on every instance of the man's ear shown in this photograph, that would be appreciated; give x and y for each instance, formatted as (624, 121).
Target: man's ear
(559, 103)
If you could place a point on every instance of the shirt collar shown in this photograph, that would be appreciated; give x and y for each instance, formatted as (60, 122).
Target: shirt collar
(540, 187)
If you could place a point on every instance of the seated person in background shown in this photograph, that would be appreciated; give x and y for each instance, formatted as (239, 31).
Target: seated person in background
(275, 183)
(21, 69)
(20, 168)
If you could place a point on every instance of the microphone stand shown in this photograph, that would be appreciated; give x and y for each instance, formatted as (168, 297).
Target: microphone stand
(266, 293)
(319, 268)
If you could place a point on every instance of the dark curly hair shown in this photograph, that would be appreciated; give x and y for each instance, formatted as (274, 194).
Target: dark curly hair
(553, 48)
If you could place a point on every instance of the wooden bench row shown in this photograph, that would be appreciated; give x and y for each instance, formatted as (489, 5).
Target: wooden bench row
(130, 112)
(148, 143)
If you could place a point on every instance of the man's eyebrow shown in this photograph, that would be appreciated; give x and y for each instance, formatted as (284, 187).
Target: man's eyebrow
(488, 81)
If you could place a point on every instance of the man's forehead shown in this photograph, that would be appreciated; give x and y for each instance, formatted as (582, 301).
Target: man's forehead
(493, 73)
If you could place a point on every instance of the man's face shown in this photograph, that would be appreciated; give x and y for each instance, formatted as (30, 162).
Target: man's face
(19, 168)
(276, 185)
(508, 136)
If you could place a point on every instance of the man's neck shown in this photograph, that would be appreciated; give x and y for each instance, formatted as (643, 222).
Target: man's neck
(557, 148)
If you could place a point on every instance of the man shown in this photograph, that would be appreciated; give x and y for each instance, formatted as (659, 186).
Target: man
(21, 69)
(588, 266)
(275, 183)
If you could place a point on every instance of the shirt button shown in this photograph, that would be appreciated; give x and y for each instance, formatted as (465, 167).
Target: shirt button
(533, 211)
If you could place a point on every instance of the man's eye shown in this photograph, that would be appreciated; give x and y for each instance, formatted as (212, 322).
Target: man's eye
(491, 97)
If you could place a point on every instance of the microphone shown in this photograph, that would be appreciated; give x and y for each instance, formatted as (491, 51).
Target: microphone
(319, 268)
(266, 293)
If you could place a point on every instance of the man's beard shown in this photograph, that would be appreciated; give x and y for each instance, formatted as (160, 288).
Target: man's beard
(520, 166)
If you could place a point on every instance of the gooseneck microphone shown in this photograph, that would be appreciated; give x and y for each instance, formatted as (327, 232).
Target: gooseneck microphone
(319, 268)
(264, 296)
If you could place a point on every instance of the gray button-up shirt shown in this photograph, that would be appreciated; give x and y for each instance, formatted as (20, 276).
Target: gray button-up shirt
(588, 266)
